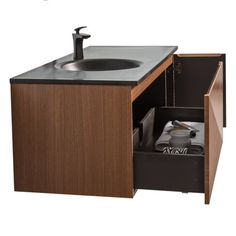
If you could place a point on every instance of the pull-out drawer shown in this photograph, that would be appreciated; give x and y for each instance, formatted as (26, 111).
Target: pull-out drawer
(184, 172)
(155, 170)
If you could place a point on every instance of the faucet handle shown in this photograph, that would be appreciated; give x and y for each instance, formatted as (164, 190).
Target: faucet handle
(77, 30)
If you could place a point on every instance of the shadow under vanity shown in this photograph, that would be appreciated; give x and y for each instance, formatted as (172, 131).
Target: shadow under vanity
(79, 138)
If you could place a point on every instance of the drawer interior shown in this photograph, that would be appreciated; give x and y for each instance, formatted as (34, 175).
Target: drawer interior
(155, 170)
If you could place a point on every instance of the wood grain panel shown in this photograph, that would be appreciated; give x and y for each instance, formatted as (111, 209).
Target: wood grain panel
(74, 139)
(213, 109)
(137, 90)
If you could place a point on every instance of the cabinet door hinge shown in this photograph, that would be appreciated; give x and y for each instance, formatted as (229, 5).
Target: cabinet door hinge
(178, 68)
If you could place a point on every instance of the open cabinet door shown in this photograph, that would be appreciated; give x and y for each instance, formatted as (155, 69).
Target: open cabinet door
(213, 116)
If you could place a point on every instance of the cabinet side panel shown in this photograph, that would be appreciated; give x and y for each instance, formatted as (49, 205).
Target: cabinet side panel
(213, 109)
(72, 139)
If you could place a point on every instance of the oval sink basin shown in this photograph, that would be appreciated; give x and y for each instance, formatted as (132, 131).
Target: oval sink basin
(99, 64)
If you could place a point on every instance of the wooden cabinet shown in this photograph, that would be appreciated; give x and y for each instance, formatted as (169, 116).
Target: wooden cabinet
(74, 139)
(78, 139)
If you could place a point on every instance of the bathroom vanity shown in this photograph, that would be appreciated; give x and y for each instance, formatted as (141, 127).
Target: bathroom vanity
(78, 132)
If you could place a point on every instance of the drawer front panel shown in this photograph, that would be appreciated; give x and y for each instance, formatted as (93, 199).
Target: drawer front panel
(213, 109)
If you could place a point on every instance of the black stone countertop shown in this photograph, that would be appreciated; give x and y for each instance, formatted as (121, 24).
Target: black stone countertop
(150, 56)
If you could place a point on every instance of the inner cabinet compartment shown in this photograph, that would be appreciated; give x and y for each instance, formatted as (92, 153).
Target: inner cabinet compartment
(194, 74)
(193, 88)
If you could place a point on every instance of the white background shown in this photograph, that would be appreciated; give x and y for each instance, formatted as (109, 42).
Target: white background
(35, 32)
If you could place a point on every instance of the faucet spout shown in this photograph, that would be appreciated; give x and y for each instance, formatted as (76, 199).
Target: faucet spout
(78, 43)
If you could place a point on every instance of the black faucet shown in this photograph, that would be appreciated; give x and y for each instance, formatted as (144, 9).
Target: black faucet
(78, 43)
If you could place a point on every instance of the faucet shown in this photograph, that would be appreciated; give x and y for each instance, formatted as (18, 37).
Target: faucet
(78, 43)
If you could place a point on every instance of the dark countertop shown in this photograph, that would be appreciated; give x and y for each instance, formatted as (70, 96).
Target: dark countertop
(150, 56)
